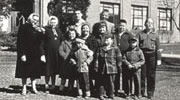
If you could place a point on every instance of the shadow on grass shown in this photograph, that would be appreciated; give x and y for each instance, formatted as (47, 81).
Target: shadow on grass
(169, 68)
(11, 89)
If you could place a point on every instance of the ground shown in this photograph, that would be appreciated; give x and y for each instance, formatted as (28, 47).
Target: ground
(167, 83)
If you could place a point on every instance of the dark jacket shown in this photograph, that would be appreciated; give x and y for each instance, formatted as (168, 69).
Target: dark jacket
(122, 41)
(134, 57)
(108, 61)
(28, 43)
(149, 43)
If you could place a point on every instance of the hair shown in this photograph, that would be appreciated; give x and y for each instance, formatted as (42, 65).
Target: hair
(105, 10)
(86, 24)
(31, 16)
(53, 18)
(123, 21)
(70, 28)
(148, 20)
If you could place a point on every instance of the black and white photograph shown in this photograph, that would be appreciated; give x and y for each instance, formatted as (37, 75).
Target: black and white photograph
(89, 49)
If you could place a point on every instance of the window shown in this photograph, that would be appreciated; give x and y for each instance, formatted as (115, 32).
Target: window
(164, 19)
(113, 11)
(139, 15)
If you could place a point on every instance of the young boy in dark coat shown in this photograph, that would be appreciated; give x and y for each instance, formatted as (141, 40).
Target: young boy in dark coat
(81, 58)
(133, 59)
(107, 62)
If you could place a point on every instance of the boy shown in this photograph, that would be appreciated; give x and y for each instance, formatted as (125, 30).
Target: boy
(107, 63)
(133, 59)
(81, 58)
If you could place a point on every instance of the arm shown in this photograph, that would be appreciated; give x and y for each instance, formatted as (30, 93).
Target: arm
(90, 57)
(118, 58)
(141, 60)
(158, 51)
(62, 53)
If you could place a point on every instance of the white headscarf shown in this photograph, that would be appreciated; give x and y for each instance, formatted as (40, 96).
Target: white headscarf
(54, 18)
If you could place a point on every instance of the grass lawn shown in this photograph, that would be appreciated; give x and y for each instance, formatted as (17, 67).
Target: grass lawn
(167, 83)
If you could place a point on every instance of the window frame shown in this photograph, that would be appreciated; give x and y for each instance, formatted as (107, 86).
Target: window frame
(166, 19)
(114, 20)
(143, 16)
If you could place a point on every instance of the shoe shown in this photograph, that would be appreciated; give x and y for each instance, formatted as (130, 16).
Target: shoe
(143, 95)
(149, 97)
(101, 98)
(136, 98)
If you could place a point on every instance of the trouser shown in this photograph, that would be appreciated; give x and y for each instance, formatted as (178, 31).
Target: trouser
(105, 83)
(137, 82)
(117, 81)
(148, 73)
(83, 81)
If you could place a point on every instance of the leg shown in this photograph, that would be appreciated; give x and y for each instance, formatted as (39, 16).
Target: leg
(33, 81)
(137, 83)
(151, 76)
(47, 78)
(110, 85)
(24, 90)
(143, 79)
(117, 83)
(53, 81)
(61, 87)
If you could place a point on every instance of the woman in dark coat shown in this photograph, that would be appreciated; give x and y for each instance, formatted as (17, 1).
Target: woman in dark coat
(50, 55)
(66, 69)
(28, 52)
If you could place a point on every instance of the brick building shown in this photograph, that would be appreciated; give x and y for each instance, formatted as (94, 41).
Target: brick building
(165, 13)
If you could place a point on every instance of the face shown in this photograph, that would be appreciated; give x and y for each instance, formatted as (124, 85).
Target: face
(122, 27)
(102, 29)
(78, 15)
(108, 41)
(72, 35)
(149, 24)
(104, 16)
(35, 20)
(79, 45)
(133, 44)
(53, 23)
(85, 30)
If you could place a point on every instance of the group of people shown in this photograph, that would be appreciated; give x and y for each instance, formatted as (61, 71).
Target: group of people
(93, 61)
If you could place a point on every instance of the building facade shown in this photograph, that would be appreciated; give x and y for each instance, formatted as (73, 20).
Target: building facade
(165, 13)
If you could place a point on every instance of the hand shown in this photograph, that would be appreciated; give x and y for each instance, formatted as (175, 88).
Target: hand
(130, 66)
(43, 58)
(23, 58)
(159, 62)
(72, 61)
(96, 69)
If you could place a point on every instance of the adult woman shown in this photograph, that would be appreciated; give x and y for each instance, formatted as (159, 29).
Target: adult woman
(66, 69)
(50, 56)
(28, 52)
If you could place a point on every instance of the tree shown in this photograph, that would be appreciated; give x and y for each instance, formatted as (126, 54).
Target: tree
(174, 4)
(64, 10)
(6, 7)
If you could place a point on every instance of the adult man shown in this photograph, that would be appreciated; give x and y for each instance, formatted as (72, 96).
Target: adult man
(104, 16)
(79, 21)
(122, 38)
(149, 43)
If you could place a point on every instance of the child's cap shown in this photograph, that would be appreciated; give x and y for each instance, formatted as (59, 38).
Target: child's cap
(107, 36)
(79, 40)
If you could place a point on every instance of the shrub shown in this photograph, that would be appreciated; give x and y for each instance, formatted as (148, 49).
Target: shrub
(8, 40)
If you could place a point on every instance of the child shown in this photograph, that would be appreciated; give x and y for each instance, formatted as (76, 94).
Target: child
(107, 63)
(81, 58)
(133, 59)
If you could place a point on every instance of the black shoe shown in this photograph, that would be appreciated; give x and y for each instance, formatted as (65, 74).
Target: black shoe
(149, 97)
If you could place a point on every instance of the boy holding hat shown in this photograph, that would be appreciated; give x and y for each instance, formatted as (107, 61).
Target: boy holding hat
(133, 60)
(81, 58)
